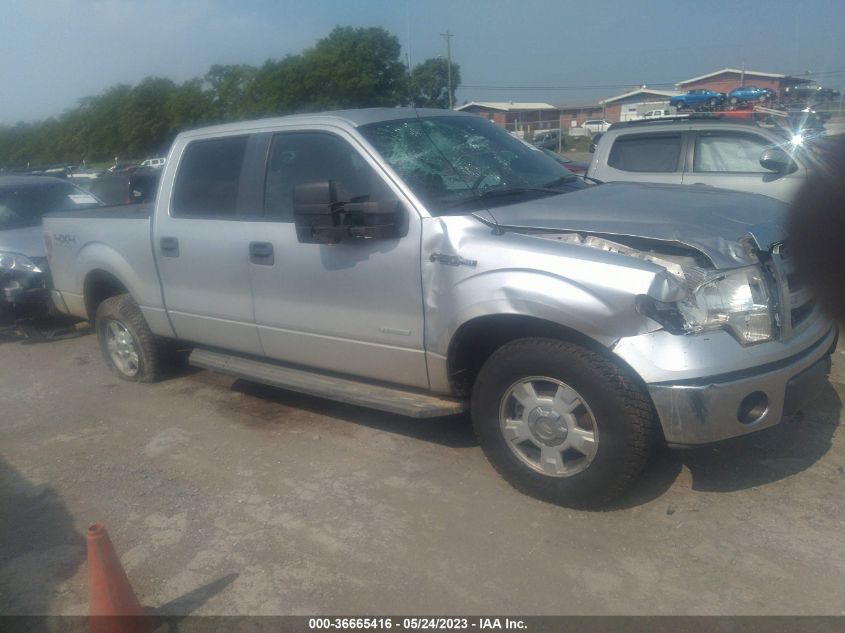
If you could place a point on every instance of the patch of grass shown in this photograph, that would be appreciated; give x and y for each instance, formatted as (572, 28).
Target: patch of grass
(576, 143)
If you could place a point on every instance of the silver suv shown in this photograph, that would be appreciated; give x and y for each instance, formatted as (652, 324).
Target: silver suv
(732, 154)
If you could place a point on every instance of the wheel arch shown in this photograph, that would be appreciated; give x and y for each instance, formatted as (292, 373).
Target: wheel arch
(475, 341)
(98, 286)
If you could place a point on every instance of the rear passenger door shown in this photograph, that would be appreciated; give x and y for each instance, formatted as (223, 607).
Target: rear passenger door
(201, 244)
(730, 159)
(644, 157)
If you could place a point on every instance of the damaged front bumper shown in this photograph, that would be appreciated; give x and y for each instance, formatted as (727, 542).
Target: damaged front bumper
(26, 291)
(701, 396)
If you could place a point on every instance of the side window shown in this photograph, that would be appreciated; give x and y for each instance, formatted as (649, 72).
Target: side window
(647, 153)
(297, 158)
(729, 152)
(207, 178)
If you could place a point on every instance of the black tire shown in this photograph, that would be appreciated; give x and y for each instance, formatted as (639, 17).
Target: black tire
(713, 103)
(621, 412)
(733, 100)
(151, 353)
(680, 105)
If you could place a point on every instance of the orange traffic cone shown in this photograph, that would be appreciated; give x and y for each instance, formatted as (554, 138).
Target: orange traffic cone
(112, 605)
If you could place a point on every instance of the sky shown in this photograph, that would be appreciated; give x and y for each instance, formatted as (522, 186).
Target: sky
(54, 52)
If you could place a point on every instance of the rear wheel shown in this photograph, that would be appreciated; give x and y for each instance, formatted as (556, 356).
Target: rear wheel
(561, 422)
(681, 105)
(713, 103)
(733, 100)
(130, 349)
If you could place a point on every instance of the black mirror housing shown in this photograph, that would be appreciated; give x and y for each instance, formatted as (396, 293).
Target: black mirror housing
(320, 218)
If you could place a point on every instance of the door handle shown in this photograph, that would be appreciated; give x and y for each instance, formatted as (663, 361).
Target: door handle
(261, 253)
(169, 246)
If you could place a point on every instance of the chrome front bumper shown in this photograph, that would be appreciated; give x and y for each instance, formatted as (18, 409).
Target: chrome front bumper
(707, 409)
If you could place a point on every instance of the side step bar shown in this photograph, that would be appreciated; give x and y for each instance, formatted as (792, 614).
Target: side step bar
(393, 400)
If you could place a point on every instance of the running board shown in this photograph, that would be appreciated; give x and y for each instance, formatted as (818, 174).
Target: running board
(404, 402)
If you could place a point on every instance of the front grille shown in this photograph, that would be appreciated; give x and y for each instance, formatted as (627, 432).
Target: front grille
(794, 300)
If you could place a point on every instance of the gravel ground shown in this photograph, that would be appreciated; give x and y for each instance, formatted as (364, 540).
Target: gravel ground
(224, 497)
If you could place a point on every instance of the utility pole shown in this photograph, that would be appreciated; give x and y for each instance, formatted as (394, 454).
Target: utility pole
(448, 37)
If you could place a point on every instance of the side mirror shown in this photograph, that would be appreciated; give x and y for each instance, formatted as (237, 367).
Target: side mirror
(320, 218)
(776, 160)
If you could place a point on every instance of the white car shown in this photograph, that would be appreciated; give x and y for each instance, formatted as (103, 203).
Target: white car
(596, 125)
(155, 163)
(656, 114)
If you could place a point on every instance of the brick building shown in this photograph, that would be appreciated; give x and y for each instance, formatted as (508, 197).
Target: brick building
(516, 116)
(625, 107)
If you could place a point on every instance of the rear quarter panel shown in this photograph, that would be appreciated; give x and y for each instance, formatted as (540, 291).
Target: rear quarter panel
(119, 246)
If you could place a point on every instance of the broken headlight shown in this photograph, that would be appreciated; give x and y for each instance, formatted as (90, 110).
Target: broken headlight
(13, 261)
(735, 300)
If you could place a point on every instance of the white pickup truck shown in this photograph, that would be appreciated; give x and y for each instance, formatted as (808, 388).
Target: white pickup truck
(425, 262)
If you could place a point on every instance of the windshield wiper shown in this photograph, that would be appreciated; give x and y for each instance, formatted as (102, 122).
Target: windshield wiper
(501, 192)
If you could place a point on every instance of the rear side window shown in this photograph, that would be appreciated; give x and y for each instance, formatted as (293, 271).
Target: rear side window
(641, 152)
(207, 178)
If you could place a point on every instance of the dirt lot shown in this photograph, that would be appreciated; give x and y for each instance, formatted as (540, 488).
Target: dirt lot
(224, 497)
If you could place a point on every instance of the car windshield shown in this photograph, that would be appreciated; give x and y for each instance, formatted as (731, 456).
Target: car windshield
(25, 204)
(461, 164)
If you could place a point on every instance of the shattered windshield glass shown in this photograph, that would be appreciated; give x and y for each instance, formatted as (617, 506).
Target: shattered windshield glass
(462, 164)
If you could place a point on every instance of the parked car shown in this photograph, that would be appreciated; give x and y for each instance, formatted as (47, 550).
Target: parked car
(809, 93)
(719, 151)
(23, 262)
(547, 139)
(426, 262)
(595, 125)
(745, 94)
(656, 114)
(134, 187)
(154, 163)
(697, 98)
(576, 167)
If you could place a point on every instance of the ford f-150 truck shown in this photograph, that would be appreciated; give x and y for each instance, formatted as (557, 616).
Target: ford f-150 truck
(425, 263)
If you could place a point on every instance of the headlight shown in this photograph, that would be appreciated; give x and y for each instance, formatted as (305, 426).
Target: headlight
(736, 300)
(12, 261)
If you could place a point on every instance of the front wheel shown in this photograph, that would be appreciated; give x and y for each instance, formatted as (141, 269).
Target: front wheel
(733, 100)
(560, 422)
(130, 349)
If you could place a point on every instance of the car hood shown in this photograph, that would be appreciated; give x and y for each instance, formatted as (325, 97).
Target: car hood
(710, 220)
(25, 240)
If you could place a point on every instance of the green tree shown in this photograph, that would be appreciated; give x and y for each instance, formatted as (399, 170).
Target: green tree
(229, 87)
(354, 68)
(430, 83)
(189, 106)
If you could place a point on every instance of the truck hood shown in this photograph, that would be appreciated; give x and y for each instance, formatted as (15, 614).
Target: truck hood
(25, 240)
(710, 220)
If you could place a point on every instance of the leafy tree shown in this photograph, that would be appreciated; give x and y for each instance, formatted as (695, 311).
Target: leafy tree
(229, 85)
(430, 83)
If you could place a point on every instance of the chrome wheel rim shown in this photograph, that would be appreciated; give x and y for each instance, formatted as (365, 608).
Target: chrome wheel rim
(122, 349)
(548, 426)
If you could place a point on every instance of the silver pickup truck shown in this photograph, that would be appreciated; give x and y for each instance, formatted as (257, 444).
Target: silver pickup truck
(425, 263)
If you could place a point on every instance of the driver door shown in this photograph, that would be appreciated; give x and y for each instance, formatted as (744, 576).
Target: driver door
(354, 307)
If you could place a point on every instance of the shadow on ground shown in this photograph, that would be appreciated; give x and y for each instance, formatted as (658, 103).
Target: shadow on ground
(39, 546)
(453, 431)
(749, 461)
(737, 464)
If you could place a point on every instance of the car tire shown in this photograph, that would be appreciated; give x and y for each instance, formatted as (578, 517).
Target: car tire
(733, 100)
(713, 103)
(541, 444)
(130, 349)
(681, 105)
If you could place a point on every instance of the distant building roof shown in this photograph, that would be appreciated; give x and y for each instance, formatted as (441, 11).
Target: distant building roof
(507, 106)
(643, 91)
(738, 71)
